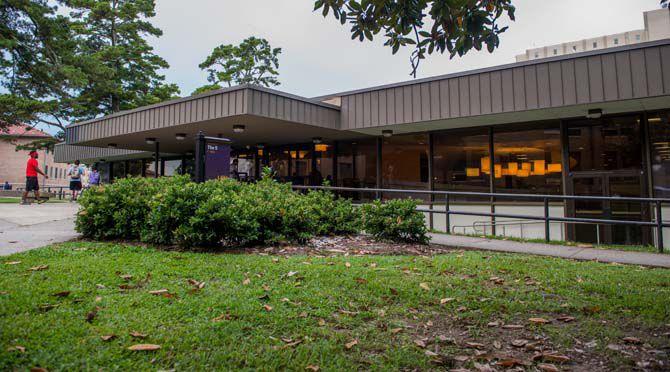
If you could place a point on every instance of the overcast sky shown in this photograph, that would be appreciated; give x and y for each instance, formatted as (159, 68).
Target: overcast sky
(319, 56)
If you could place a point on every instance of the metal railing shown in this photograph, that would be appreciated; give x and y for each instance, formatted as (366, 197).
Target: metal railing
(48, 188)
(448, 196)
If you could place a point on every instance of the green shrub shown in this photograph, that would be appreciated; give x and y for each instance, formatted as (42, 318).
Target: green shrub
(119, 210)
(173, 206)
(333, 215)
(396, 220)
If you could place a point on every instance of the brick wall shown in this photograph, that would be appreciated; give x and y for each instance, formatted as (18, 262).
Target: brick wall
(13, 165)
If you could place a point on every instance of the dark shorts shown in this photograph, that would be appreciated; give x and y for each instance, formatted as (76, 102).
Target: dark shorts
(32, 184)
(75, 185)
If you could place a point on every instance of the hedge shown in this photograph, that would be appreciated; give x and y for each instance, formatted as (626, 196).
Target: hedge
(217, 213)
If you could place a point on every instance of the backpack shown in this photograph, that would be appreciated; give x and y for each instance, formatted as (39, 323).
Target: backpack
(74, 172)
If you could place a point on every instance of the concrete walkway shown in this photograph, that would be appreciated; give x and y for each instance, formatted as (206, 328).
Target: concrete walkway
(24, 227)
(575, 253)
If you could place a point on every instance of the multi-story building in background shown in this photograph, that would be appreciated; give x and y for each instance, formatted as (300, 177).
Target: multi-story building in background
(656, 27)
(13, 162)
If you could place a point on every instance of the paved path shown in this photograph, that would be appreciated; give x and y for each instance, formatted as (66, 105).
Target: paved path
(576, 253)
(24, 227)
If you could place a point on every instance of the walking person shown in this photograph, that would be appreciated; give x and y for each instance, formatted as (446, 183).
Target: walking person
(94, 177)
(75, 172)
(32, 170)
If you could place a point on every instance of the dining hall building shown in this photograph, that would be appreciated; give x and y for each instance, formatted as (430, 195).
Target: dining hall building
(589, 123)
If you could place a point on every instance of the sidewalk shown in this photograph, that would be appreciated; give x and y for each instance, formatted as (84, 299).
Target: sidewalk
(576, 253)
(25, 227)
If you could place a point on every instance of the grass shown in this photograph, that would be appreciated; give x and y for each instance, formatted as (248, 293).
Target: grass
(317, 305)
(619, 247)
(16, 200)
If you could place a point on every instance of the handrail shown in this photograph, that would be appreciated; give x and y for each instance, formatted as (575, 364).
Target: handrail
(546, 217)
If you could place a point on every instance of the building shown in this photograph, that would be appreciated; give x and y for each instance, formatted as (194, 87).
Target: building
(589, 123)
(656, 27)
(13, 163)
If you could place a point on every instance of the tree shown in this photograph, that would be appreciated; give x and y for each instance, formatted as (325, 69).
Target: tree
(126, 76)
(39, 68)
(254, 61)
(456, 26)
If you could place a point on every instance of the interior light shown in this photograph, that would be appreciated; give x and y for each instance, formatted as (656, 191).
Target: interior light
(180, 136)
(111, 145)
(150, 140)
(238, 128)
(260, 145)
(317, 140)
(472, 172)
(387, 133)
(594, 113)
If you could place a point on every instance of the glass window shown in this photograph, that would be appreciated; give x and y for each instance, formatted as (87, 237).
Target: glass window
(149, 168)
(616, 41)
(301, 164)
(405, 162)
(528, 161)
(279, 162)
(172, 167)
(555, 51)
(324, 164)
(637, 37)
(118, 169)
(461, 160)
(611, 144)
(134, 168)
(357, 165)
(659, 135)
(595, 44)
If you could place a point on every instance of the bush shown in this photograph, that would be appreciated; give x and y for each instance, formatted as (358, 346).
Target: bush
(176, 204)
(396, 220)
(177, 211)
(119, 210)
(333, 216)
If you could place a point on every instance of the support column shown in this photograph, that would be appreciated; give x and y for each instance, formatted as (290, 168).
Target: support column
(431, 184)
(335, 163)
(200, 157)
(568, 205)
(379, 166)
(492, 177)
(157, 160)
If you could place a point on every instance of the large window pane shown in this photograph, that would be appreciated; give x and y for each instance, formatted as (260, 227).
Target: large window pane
(324, 164)
(357, 165)
(611, 144)
(405, 162)
(659, 130)
(461, 160)
(301, 164)
(134, 168)
(172, 167)
(528, 161)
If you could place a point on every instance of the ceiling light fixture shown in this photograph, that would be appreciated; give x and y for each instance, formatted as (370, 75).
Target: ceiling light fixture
(150, 140)
(317, 140)
(180, 136)
(111, 145)
(387, 133)
(238, 128)
(260, 145)
(594, 113)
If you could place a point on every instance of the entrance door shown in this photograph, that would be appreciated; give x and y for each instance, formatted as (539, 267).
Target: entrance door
(621, 184)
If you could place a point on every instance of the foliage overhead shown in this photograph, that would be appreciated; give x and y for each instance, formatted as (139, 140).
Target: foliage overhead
(254, 61)
(82, 60)
(453, 26)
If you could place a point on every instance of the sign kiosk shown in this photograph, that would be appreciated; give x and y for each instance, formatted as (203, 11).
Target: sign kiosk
(212, 157)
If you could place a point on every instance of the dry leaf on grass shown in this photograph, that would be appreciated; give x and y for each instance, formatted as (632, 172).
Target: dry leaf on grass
(39, 268)
(313, 368)
(509, 362)
(539, 320)
(246, 281)
(396, 330)
(144, 347)
(62, 294)
(12, 263)
(565, 318)
(267, 307)
(547, 367)
(632, 340)
(18, 348)
(552, 357)
(512, 326)
(38, 369)
(91, 315)
(445, 300)
(138, 335)
(347, 264)
(424, 286)
(107, 337)
(474, 345)
(322, 322)
(351, 344)
(420, 343)
(519, 343)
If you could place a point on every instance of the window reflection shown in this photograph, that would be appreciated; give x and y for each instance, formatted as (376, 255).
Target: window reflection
(461, 160)
(528, 161)
(357, 165)
(405, 162)
(659, 131)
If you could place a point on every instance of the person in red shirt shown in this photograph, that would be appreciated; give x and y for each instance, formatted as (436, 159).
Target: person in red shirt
(32, 169)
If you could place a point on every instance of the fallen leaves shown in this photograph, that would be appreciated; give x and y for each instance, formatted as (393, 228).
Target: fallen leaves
(539, 320)
(136, 334)
(420, 343)
(313, 368)
(267, 308)
(446, 300)
(107, 337)
(351, 344)
(62, 294)
(565, 318)
(144, 347)
(552, 357)
(519, 343)
(196, 285)
(474, 345)
(18, 348)
(632, 340)
(12, 263)
(246, 281)
(163, 293)
(547, 367)
(424, 286)
(39, 268)
(91, 315)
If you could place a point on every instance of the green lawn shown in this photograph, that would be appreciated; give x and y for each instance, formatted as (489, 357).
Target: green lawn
(270, 312)
(16, 200)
